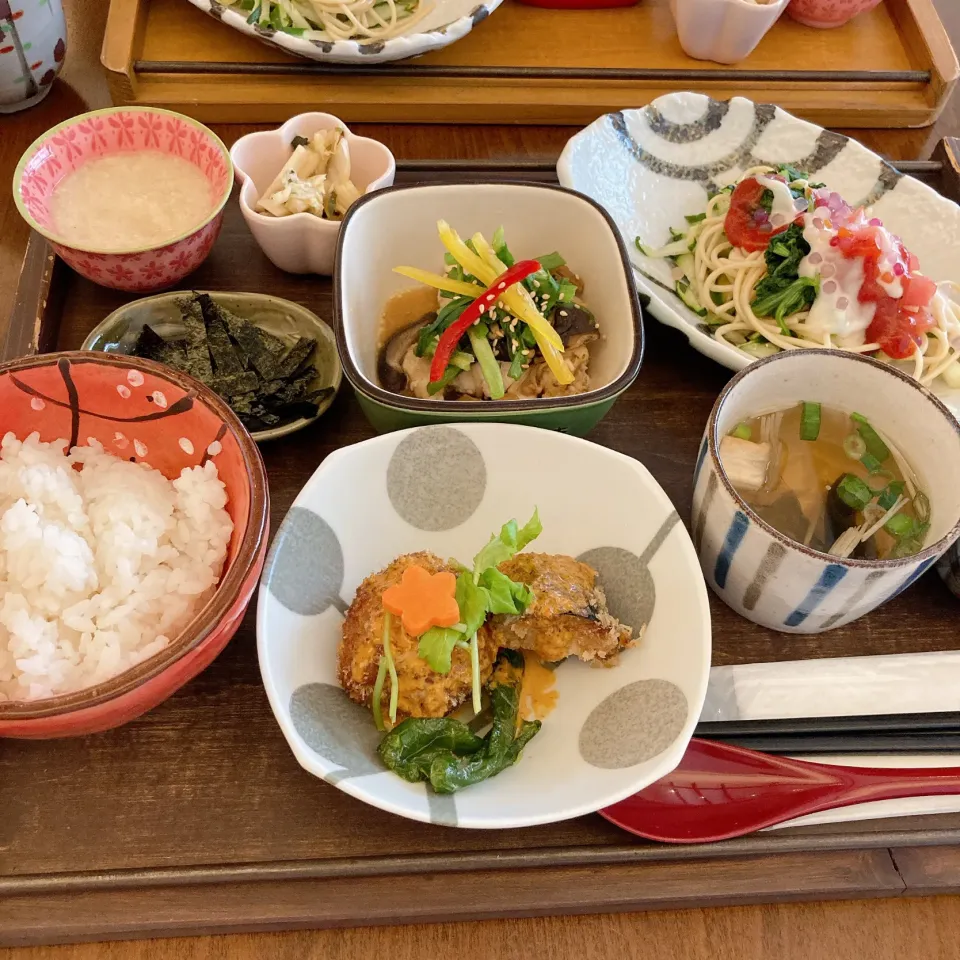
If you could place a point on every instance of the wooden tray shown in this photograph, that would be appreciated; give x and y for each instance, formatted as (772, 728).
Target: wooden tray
(892, 67)
(196, 818)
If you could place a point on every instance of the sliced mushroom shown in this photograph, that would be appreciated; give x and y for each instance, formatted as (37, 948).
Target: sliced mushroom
(570, 320)
(390, 362)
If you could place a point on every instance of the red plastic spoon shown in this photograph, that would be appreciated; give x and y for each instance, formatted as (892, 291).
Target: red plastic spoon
(719, 792)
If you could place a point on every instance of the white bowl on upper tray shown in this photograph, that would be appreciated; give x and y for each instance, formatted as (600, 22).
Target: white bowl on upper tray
(447, 489)
(447, 22)
(302, 242)
(652, 166)
(725, 31)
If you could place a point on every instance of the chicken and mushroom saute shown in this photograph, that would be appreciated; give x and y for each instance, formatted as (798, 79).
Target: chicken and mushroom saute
(491, 327)
(424, 636)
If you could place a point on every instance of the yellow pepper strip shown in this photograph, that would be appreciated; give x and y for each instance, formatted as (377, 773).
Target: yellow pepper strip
(551, 355)
(486, 273)
(441, 283)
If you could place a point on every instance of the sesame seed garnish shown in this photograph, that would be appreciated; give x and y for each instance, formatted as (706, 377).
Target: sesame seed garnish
(483, 307)
(536, 283)
(561, 296)
(501, 286)
(490, 297)
(563, 313)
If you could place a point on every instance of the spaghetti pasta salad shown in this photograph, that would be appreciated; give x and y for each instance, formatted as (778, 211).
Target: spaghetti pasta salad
(362, 20)
(776, 262)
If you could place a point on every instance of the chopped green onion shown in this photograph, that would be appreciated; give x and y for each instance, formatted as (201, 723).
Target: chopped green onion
(810, 421)
(921, 506)
(378, 694)
(489, 366)
(854, 492)
(900, 525)
(853, 446)
(461, 359)
(891, 494)
(391, 666)
(695, 217)
(449, 375)
(567, 292)
(551, 261)
(516, 366)
(449, 259)
(875, 445)
(743, 432)
(870, 462)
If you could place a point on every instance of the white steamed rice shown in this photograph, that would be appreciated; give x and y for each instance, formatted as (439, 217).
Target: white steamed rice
(101, 567)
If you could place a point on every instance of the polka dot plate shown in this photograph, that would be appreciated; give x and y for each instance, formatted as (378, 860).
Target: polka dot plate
(447, 489)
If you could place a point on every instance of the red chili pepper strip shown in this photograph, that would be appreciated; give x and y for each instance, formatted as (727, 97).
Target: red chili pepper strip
(451, 336)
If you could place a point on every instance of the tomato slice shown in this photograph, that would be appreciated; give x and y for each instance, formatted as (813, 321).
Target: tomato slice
(747, 225)
(918, 290)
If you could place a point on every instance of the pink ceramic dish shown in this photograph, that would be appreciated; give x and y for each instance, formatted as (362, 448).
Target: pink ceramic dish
(72, 143)
(302, 242)
(114, 399)
(828, 13)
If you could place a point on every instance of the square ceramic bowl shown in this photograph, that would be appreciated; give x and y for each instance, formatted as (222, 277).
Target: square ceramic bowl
(447, 489)
(398, 226)
(302, 242)
(775, 581)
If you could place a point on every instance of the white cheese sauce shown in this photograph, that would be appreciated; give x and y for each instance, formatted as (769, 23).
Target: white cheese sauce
(129, 201)
(836, 310)
(784, 209)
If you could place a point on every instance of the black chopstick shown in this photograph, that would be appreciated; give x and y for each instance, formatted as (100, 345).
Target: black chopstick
(883, 733)
(891, 723)
(865, 743)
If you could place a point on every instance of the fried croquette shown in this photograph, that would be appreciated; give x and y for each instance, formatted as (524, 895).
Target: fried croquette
(568, 616)
(422, 691)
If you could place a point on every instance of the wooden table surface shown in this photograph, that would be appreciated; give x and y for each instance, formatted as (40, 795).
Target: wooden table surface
(876, 929)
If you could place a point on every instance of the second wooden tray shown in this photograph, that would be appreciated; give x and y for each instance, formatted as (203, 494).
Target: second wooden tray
(891, 67)
(196, 818)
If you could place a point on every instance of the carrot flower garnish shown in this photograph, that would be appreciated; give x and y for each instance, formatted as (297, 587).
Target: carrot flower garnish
(423, 600)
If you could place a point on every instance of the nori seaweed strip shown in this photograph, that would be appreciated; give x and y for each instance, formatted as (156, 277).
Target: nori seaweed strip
(198, 356)
(226, 358)
(243, 403)
(255, 343)
(297, 356)
(235, 384)
(152, 346)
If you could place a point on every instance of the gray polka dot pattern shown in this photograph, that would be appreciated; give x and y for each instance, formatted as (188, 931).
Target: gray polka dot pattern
(633, 724)
(336, 728)
(443, 808)
(631, 594)
(304, 570)
(436, 478)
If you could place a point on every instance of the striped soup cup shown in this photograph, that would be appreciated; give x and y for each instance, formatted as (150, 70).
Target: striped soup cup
(778, 582)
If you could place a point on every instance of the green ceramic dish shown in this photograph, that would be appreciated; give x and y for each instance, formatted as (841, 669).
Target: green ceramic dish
(397, 226)
(283, 318)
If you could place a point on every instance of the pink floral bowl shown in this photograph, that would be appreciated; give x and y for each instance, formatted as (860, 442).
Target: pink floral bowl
(154, 414)
(828, 13)
(74, 142)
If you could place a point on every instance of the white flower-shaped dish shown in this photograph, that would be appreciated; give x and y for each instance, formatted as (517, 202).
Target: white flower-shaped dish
(447, 22)
(650, 167)
(725, 31)
(447, 489)
(302, 242)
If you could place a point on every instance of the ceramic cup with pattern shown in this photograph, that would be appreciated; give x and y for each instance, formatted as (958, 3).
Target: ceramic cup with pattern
(775, 581)
(33, 43)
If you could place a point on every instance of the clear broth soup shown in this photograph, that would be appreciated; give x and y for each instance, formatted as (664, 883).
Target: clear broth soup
(830, 480)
